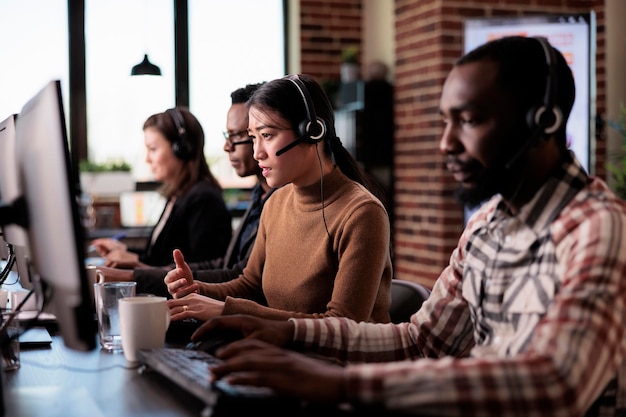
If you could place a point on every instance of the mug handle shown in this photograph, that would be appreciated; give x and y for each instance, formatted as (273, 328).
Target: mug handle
(167, 316)
(99, 276)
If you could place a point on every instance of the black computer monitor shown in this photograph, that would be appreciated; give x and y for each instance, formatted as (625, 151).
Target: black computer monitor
(9, 185)
(48, 211)
(12, 234)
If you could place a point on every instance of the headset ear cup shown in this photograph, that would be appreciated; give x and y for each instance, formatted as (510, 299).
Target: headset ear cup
(312, 129)
(181, 151)
(547, 120)
(530, 118)
(181, 148)
(314, 132)
(550, 120)
(317, 130)
(303, 128)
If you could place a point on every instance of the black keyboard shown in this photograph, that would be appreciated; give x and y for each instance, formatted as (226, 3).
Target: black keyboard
(190, 370)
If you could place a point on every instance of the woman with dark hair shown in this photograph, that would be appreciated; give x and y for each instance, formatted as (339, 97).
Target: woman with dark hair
(322, 247)
(195, 218)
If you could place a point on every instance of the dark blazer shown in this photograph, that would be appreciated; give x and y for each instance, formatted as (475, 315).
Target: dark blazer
(150, 280)
(232, 256)
(199, 225)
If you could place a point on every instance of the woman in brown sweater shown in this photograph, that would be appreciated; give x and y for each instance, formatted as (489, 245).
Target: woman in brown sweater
(323, 242)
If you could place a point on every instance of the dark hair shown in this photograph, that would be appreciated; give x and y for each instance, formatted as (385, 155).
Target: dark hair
(523, 71)
(241, 95)
(194, 169)
(282, 97)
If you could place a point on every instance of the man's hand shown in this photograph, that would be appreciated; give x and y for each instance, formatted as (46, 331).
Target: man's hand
(253, 362)
(276, 332)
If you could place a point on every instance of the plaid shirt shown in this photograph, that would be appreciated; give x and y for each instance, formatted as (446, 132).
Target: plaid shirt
(527, 320)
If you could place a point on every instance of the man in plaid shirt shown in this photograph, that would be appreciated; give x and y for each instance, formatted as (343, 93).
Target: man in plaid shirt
(528, 317)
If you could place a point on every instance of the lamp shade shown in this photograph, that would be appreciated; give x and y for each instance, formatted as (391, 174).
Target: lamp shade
(145, 67)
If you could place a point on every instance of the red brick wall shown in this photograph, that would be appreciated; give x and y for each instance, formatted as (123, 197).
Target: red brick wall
(429, 38)
(327, 27)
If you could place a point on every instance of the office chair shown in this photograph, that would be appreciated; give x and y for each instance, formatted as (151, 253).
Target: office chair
(406, 298)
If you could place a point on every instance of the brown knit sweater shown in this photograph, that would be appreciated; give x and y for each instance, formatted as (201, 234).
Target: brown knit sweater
(297, 270)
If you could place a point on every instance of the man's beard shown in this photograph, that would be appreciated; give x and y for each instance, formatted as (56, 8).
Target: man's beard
(493, 181)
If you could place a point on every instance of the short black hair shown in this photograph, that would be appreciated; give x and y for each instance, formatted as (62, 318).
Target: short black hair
(241, 95)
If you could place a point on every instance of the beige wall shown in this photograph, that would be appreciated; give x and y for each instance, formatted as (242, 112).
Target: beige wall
(293, 65)
(615, 66)
(379, 33)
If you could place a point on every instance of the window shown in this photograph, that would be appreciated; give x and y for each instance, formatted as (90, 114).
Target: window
(231, 44)
(117, 35)
(34, 50)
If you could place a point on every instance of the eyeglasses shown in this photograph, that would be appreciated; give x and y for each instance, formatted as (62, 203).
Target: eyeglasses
(231, 136)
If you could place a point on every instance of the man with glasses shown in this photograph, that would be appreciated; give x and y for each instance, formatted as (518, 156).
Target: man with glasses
(238, 145)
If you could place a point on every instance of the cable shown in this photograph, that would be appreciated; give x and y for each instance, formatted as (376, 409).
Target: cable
(9, 265)
(317, 151)
(75, 369)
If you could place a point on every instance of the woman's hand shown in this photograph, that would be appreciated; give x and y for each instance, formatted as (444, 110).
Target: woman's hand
(105, 245)
(115, 274)
(195, 306)
(121, 259)
(179, 280)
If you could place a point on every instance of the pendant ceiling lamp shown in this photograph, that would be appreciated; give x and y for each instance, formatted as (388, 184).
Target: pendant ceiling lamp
(145, 67)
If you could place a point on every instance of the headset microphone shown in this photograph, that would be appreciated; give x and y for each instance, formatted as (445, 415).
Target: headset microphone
(292, 145)
(533, 139)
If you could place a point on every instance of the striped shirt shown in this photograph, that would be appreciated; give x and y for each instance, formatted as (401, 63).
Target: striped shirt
(527, 320)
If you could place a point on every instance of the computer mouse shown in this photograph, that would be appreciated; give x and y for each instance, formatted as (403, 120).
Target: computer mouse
(179, 332)
(215, 340)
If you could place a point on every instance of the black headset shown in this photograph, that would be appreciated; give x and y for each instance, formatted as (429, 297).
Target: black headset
(181, 146)
(313, 128)
(310, 130)
(546, 118)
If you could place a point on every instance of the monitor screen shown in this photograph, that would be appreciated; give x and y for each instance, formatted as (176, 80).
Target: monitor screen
(10, 190)
(9, 186)
(54, 231)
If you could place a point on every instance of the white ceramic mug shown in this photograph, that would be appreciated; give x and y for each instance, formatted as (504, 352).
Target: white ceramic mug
(94, 274)
(143, 323)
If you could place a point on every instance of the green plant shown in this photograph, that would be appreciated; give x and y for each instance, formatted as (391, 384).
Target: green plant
(617, 162)
(331, 88)
(90, 166)
(350, 55)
